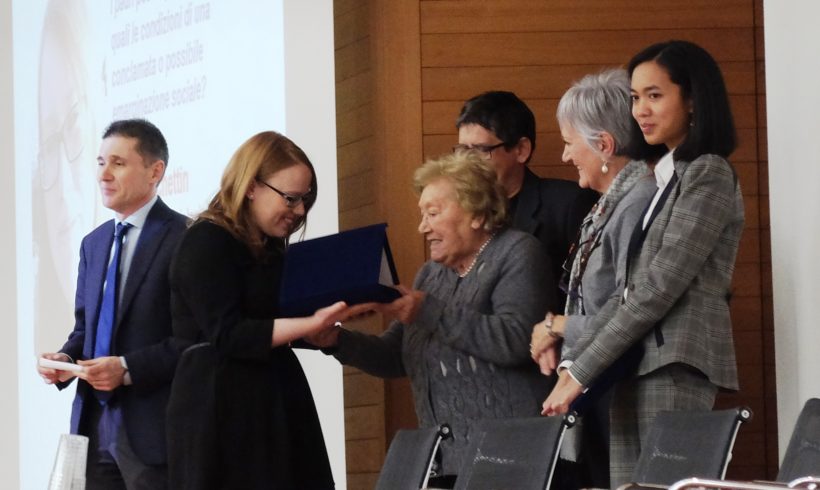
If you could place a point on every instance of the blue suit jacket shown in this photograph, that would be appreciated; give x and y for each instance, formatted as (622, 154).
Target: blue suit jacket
(142, 331)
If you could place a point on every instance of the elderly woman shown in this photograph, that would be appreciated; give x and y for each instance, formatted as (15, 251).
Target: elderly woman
(603, 142)
(675, 299)
(462, 332)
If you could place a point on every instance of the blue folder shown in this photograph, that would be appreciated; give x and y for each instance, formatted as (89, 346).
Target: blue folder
(355, 266)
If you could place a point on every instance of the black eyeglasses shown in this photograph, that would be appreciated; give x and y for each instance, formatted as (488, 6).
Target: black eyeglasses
(488, 149)
(291, 200)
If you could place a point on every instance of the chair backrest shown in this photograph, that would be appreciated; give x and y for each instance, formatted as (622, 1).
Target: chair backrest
(802, 456)
(685, 444)
(515, 453)
(410, 457)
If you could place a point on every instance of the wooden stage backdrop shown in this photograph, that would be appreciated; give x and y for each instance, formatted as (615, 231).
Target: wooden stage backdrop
(403, 69)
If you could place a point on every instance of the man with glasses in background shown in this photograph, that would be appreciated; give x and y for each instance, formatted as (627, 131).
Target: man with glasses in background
(501, 126)
(122, 340)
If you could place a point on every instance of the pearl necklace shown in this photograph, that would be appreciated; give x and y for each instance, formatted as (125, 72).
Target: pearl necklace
(475, 258)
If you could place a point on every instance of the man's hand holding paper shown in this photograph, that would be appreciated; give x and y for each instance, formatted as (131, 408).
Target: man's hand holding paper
(103, 373)
(51, 374)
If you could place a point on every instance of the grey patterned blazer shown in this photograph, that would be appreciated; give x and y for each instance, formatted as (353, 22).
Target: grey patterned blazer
(679, 284)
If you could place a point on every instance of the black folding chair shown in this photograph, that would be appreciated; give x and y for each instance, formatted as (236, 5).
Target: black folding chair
(410, 458)
(685, 444)
(801, 463)
(517, 453)
(802, 456)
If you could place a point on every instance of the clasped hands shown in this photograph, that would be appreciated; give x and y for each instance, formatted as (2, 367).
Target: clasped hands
(545, 349)
(102, 373)
(404, 309)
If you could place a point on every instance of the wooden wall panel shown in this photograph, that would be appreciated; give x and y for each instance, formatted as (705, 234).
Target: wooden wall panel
(378, 114)
(410, 65)
(398, 92)
(571, 48)
(749, 250)
(356, 172)
(354, 92)
(363, 389)
(353, 59)
(439, 116)
(354, 158)
(580, 15)
(769, 417)
(460, 83)
(351, 24)
(364, 457)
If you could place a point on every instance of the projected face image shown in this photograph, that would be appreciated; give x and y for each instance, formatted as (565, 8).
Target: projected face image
(65, 167)
(64, 188)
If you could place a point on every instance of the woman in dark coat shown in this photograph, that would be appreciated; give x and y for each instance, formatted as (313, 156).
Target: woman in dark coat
(241, 413)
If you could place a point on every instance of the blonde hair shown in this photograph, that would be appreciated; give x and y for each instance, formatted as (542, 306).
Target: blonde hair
(256, 159)
(475, 182)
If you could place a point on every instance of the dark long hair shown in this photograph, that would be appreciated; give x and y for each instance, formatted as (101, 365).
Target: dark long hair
(697, 74)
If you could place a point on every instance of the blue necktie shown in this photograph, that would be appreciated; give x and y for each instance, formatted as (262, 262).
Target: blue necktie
(108, 307)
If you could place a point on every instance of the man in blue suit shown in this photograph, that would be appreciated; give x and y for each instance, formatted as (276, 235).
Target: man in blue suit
(122, 336)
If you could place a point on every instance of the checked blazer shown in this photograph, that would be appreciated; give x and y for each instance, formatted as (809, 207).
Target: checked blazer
(677, 298)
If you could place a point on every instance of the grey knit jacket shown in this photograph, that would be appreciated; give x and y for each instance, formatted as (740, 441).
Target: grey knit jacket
(467, 353)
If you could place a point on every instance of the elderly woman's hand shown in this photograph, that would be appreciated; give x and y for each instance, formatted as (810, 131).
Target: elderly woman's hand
(548, 360)
(325, 338)
(330, 319)
(405, 308)
(546, 335)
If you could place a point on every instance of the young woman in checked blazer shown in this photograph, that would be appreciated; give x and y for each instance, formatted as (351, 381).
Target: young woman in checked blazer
(675, 301)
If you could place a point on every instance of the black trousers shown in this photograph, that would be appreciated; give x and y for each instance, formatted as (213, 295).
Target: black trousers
(122, 470)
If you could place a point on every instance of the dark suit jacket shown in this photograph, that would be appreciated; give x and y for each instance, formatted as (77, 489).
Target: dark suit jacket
(142, 332)
(552, 211)
(678, 284)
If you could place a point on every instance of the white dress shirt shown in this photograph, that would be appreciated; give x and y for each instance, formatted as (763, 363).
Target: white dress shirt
(664, 171)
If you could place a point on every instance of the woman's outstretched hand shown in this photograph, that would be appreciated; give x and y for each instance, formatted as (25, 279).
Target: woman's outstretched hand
(329, 315)
(404, 309)
(329, 321)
